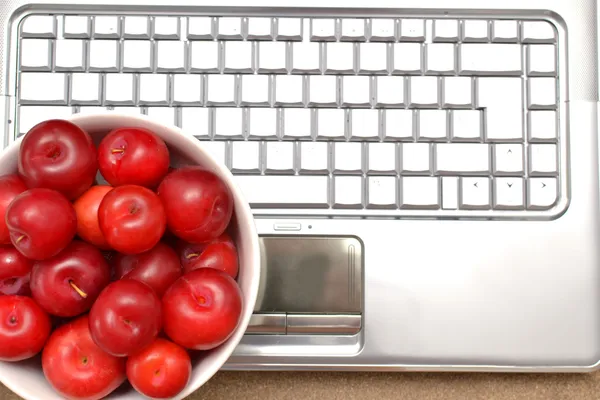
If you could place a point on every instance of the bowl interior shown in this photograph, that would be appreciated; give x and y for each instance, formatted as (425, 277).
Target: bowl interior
(26, 378)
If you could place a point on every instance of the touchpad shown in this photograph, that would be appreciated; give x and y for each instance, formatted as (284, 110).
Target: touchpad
(311, 274)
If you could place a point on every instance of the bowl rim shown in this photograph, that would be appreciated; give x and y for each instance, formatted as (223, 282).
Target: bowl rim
(242, 210)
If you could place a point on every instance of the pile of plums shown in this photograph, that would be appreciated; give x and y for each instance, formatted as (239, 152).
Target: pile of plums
(116, 280)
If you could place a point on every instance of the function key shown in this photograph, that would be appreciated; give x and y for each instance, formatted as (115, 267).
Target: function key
(353, 30)
(39, 26)
(229, 28)
(166, 28)
(322, 29)
(289, 28)
(445, 30)
(537, 32)
(505, 31)
(260, 29)
(475, 31)
(412, 30)
(383, 30)
(76, 27)
(200, 28)
(136, 27)
(106, 27)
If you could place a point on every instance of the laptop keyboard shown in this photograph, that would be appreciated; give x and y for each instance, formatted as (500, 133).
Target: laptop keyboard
(324, 116)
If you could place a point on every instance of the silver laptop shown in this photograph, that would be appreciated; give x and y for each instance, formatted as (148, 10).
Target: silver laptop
(424, 180)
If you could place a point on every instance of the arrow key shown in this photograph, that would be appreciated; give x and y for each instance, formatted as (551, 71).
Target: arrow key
(542, 193)
(508, 159)
(508, 193)
(474, 193)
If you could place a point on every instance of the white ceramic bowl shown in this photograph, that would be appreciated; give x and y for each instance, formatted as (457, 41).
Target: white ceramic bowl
(27, 379)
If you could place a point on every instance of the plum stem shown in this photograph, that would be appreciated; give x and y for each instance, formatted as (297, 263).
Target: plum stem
(19, 239)
(191, 255)
(78, 290)
(117, 151)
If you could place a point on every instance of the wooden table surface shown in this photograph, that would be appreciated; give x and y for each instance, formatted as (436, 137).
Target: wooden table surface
(397, 386)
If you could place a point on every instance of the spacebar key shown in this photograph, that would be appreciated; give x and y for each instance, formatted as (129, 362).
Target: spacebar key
(284, 191)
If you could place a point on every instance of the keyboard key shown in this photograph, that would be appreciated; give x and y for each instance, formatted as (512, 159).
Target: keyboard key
(420, 192)
(260, 29)
(296, 123)
(509, 193)
(542, 193)
(381, 158)
(279, 158)
(398, 125)
(170, 56)
(262, 123)
(39, 26)
(353, 30)
(229, 28)
(245, 157)
(542, 126)
(541, 93)
(331, 123)
(220, 90)
(322, 90)
(306, 57)
(462, 158)
(458, 92)
(314, 158)
(29, 116)
(163, 115)
(382, 192)
(166, 28)
(36, 55)
(440, 58)
(541, 60)
(433, 125)
(423, 91)
(449, 193)
(296, 191)
(412, 30)
(505, 31)
(322, 29)
(356, 91)
(106, 27)
(77, 27)
(54, 88)
(490, 59)
(364, 124)
(373, 58)
(537, 32)
(508, 159)
(238, 57)
(475, 193)
(407, 58)
(195, 121)
(85, 89)
(289, 90)
(228, 123)
(255, 90)
(415, 158)
(445, 30)
(204, 56)
(347, 158)
(187, 89)
(502, 98)
(475, 31)
(216, 149)
(70, 55)
(119, 89)
(339, 58)
(136, 27)
(390, 91)
(289, 29)
(542, 160)
(348, 192)
(137, 56)
(466, 125)
(104, 55)
(383, 30)
(272, 57)
(154, 89)
(200, 28)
